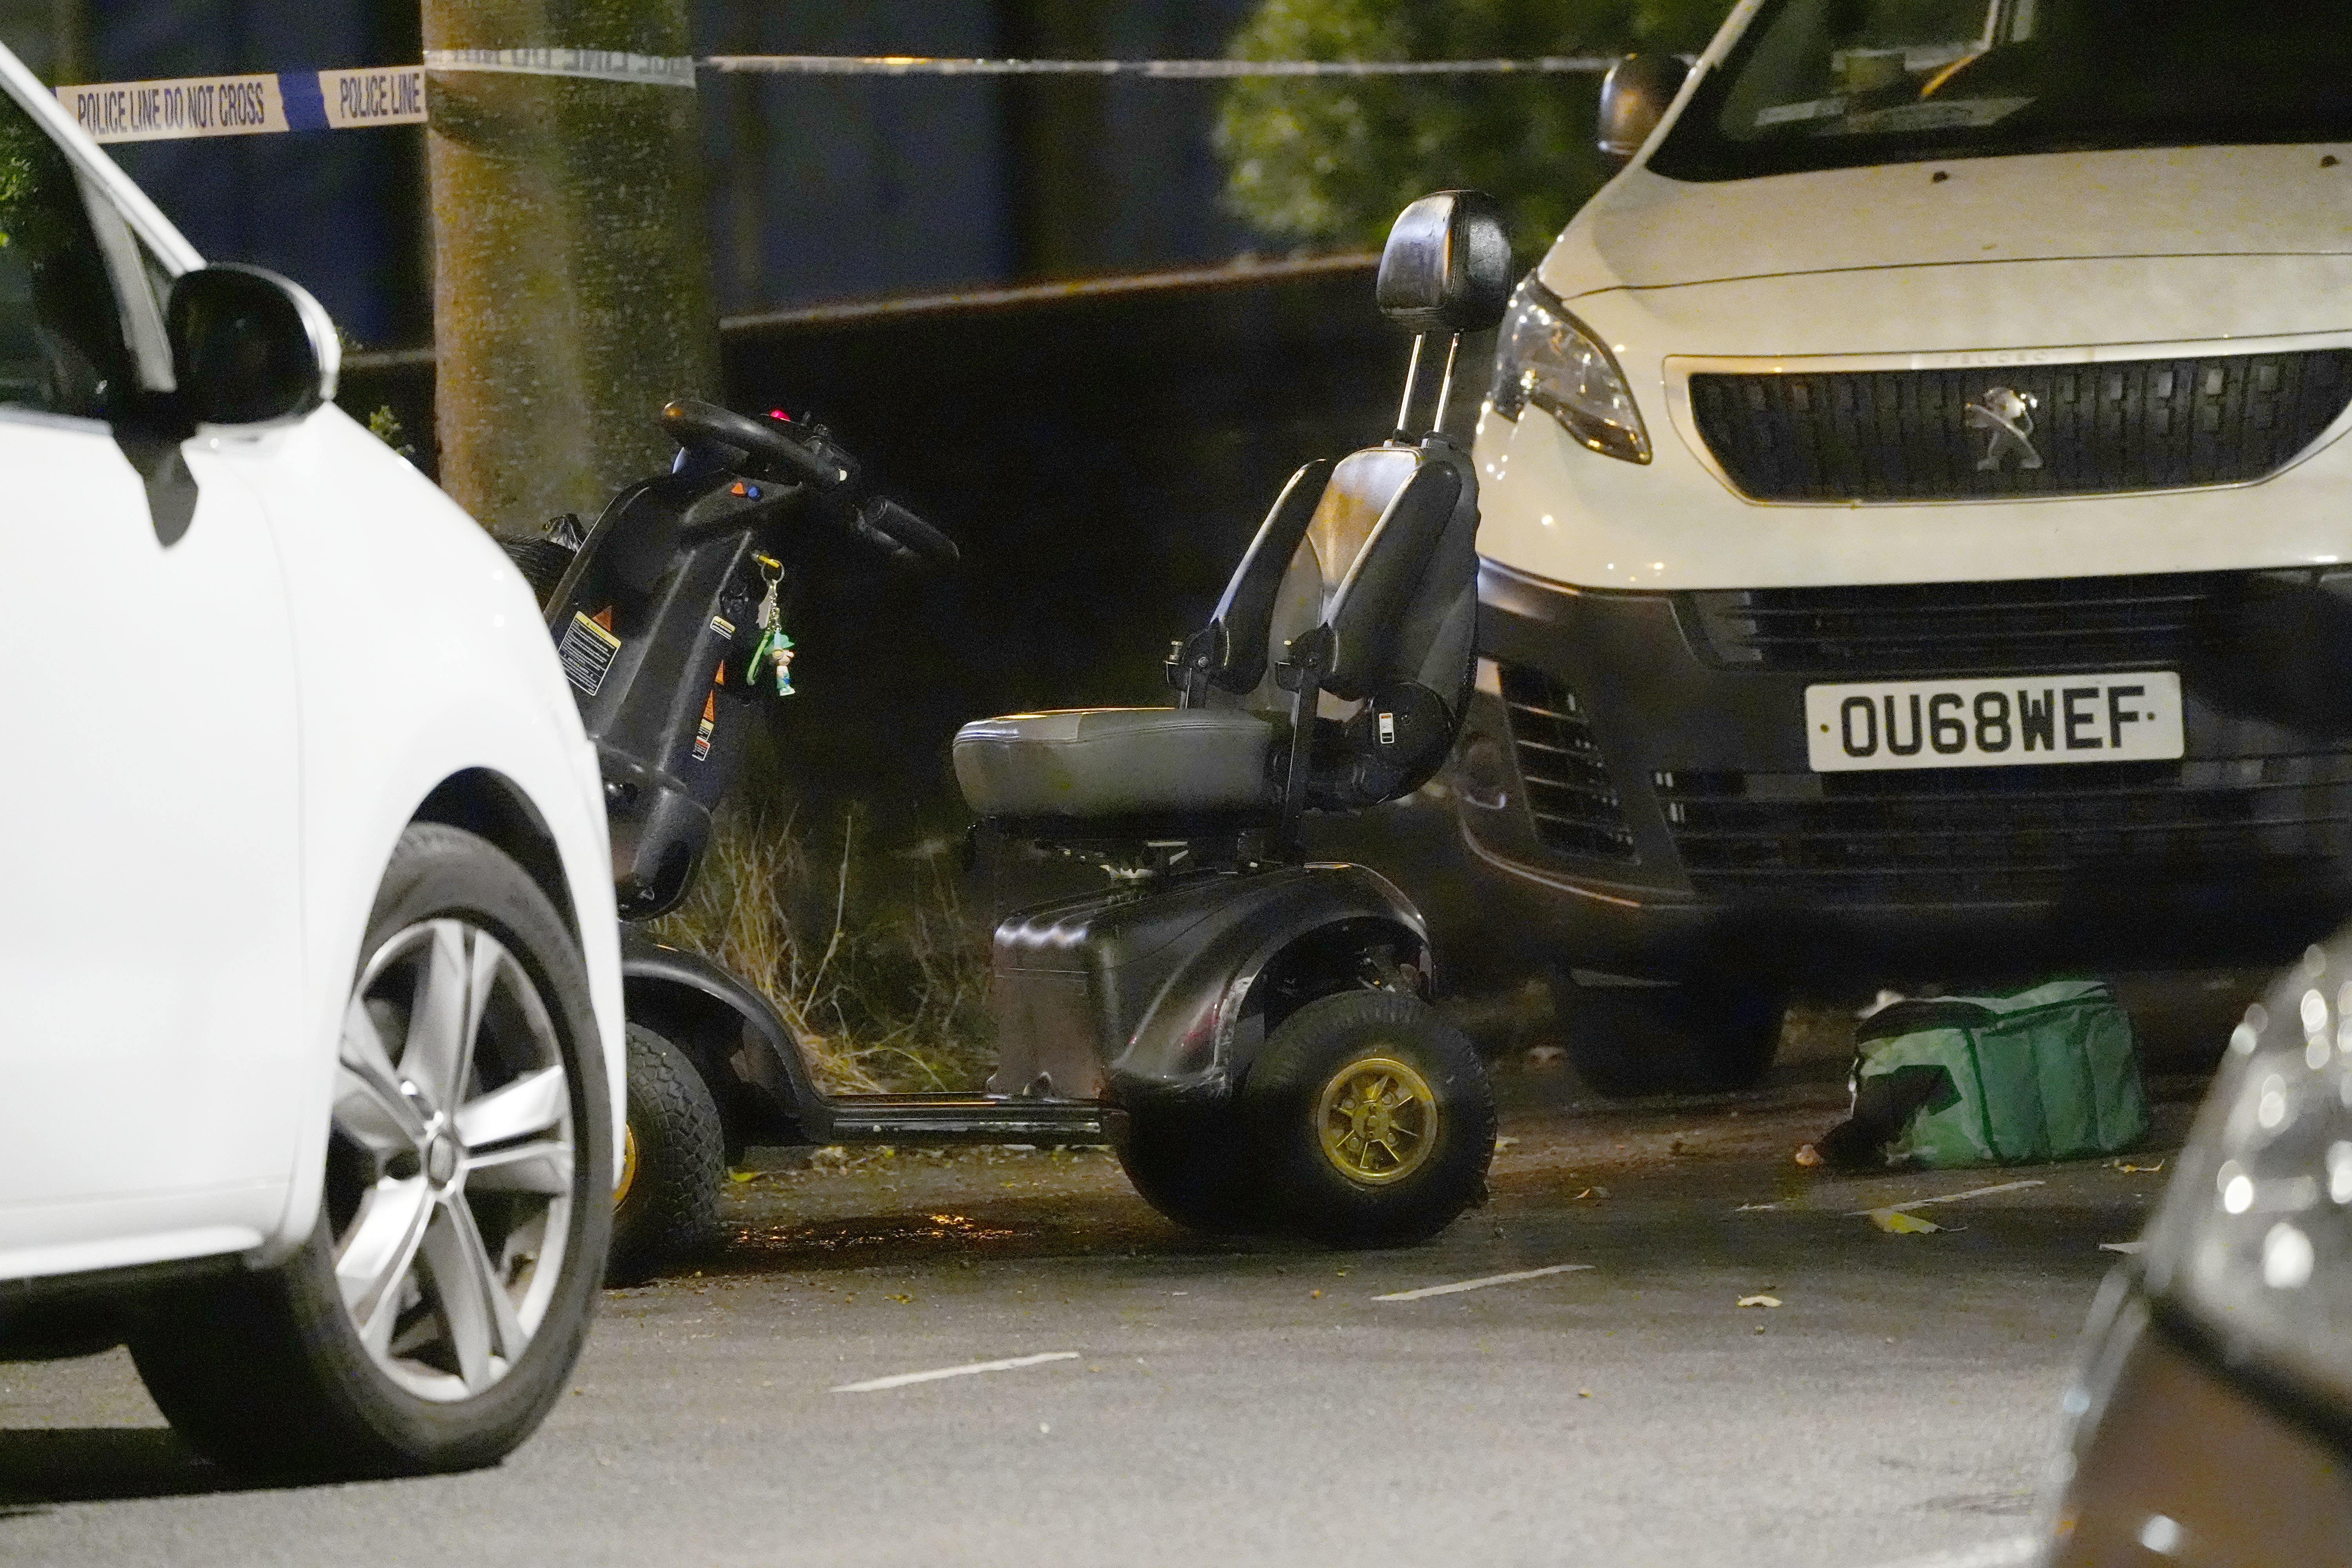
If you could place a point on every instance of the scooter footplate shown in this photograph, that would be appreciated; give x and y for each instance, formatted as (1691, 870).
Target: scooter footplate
(975, 1119)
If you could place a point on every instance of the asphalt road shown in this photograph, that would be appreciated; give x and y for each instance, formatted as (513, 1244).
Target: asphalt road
(1242, 1403)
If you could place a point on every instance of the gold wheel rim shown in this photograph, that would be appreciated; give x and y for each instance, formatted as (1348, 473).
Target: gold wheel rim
(628, 1166)
(1376, 1119)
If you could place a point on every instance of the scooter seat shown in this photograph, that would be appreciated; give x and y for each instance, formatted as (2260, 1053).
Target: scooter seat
(1116, 762)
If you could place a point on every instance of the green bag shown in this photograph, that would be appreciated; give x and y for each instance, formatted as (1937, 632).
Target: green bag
(2050, 1073)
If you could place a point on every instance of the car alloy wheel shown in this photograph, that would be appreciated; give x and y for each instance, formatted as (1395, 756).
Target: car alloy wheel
(450, 1166)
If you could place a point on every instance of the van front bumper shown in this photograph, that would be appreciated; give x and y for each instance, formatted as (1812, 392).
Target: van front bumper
(1634, 776)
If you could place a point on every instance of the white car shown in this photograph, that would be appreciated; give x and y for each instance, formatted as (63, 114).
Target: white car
(1918, 517)
(310, 995)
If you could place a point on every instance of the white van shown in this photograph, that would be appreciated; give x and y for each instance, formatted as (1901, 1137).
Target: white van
(1916, 515)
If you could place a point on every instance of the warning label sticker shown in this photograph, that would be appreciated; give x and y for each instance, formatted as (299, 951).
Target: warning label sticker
(587, 651)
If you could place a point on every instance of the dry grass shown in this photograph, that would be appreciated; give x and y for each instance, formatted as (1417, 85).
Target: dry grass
(870, 958)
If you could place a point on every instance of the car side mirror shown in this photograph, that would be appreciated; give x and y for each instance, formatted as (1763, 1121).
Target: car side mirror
(248, 347)
(1634, 96)
(1447, 265)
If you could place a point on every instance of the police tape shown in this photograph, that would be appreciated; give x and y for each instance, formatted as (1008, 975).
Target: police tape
(261, 103)
(1164, 70)
(254, 104)
(585, 65)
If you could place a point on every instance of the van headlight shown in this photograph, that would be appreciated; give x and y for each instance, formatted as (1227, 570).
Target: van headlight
(1550, 359)
(2254, 1239)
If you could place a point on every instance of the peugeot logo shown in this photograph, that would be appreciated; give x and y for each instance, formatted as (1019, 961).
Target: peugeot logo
(2006, 415)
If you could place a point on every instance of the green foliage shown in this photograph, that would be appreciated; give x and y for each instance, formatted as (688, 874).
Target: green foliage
(16, 177)
(29, 166)
(1332, 160)
(386, 427)
(870, 959)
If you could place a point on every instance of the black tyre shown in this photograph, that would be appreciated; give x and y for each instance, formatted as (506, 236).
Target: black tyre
(1375, 1119)
(1196, 1164)
(434, 1315)
(1627, 1041)
(665, 1207)
(541, 562)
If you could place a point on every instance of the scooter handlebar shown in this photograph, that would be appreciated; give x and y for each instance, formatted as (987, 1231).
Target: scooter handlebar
(809, 456)
(784, 452)
(899, 534)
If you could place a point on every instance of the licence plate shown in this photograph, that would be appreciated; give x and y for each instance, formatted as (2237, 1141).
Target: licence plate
(2011, 721)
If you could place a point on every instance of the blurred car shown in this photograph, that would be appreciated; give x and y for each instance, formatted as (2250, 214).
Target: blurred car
(309, 1003)
(2212, 1418)
(1915, 538)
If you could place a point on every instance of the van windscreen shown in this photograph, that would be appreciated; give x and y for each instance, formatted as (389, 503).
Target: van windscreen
(1828, 84)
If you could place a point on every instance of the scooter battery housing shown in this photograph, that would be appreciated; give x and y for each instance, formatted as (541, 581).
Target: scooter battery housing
(1080, 978)
(1138, 993)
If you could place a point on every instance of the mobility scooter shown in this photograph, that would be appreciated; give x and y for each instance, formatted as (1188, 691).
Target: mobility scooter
(1251, 1032)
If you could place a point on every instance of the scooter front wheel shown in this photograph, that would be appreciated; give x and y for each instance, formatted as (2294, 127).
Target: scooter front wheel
(1375, 1117)
(665, 1205)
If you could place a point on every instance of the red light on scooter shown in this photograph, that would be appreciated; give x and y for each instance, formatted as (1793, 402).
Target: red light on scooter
(780, 414)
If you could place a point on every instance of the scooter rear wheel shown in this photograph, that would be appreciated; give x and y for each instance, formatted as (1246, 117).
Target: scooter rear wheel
(1376, 1119)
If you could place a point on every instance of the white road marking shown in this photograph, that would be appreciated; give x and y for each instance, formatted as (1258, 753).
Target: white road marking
(1480, 1284)
(2014, 1552)
(900, 1380)
(1952, 1197)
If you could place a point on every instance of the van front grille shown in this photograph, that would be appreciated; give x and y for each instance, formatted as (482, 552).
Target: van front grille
(1996, 834)
(1950, 629)
(1576, 806)
(2107, 428)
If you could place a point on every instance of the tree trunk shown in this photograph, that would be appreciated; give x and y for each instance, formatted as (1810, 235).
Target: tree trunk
(571, 278)
(1061, 189)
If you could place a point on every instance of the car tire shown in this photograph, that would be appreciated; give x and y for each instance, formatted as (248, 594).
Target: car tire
(432, 1316)
(1375, 1119)
(1194, 1164)
(665, 1206)
(1630, 1041)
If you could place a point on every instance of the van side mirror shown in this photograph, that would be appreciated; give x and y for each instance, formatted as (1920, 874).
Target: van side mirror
(1447, 265)
(1634, 96)
(248, 347)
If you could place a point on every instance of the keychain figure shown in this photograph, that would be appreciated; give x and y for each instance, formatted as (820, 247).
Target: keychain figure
(780, 653)
(773, 649)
